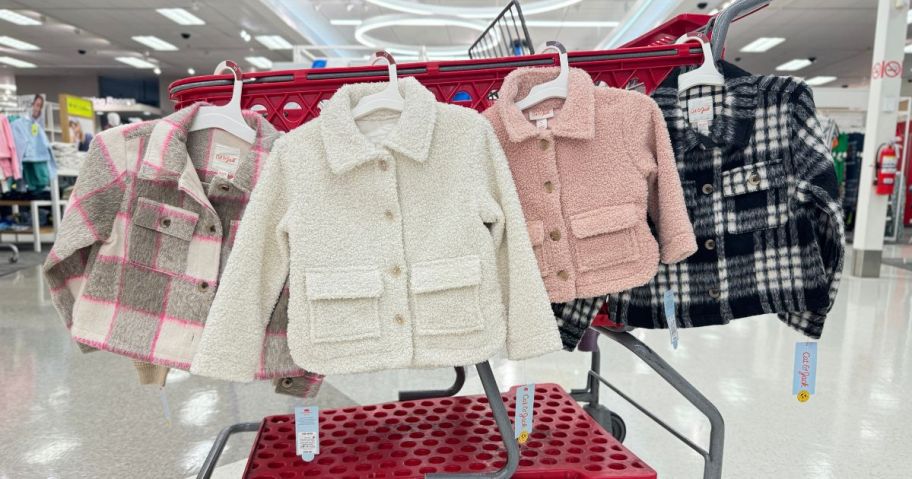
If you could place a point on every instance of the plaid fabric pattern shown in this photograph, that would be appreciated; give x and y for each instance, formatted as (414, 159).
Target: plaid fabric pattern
(761, 192)
(148, 231)
(574, 318)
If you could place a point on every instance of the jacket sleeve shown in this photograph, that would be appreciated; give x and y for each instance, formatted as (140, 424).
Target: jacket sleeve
(251, 283)
(666, 197)
(817, 194)
(11, 146)
(531, 326)
(89, 220)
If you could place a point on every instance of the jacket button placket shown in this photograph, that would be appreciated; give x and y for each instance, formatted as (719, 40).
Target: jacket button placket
(556, 242)
(394, 307)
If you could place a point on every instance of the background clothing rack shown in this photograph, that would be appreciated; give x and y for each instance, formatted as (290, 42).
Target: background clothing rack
(289, 98)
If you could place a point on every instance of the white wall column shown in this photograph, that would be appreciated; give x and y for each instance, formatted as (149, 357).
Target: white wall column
(880, 128)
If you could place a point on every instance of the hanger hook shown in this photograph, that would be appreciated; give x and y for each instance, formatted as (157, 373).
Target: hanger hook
(382, 55)
(554, 45)
(231, 67)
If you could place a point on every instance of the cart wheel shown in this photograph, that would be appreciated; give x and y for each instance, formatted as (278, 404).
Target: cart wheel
(618, 427)
(609, 421)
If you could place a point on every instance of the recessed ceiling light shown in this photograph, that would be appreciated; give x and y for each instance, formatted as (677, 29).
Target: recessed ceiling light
(762, 44)
(191, 71)
(157, 71)
(245, 36)
(274, 42)
(259, 62)
(155, 43)
(135, 62)
(180, 16)
(17, 18)
(794, 65)
(820, 80)
(17, 62)
(17, 44)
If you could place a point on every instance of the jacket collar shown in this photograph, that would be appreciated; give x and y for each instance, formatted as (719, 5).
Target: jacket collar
(731, 130)
(576, 119)
(167, 158)
(346, 147)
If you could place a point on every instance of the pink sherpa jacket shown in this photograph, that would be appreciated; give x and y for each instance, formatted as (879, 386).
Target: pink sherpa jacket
(588, 170)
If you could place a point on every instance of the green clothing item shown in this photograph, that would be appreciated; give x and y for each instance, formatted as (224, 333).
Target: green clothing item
(36, 175)
(839, 158)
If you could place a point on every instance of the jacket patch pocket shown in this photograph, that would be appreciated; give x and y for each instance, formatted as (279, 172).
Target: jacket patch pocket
(344, 303)
(160, 236)
(606, 236)
(446, 296)
(756, 197)
(536, 230)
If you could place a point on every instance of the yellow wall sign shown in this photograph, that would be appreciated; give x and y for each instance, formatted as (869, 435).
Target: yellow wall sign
(77, 106)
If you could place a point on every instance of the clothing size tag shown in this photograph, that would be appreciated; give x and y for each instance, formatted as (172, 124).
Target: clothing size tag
(525, 410)
(804, 384)
(669, 300)
(700, 109)
(307, 432)
(225, 159)
(543, 123)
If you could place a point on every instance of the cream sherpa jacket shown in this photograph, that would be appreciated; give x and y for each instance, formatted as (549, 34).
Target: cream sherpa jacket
(589, 169)
(403, 239)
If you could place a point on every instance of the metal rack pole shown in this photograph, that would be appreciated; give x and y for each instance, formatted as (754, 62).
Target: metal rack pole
(219, 445)
(438, 393)
(724, 19)
(713, 457)
(504, 426)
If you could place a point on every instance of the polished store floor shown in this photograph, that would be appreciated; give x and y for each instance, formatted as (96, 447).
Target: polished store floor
(64, 414)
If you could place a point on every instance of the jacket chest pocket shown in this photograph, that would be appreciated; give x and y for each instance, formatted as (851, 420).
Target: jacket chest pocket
(605, 236)
(536, 230)
(344, 303)
(446, 296)
(756, 197)
(160, 236)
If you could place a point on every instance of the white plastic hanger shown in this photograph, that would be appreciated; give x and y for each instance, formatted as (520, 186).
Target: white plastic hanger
(227, 117)
(387, 99)
(556, 88)
(706, 74)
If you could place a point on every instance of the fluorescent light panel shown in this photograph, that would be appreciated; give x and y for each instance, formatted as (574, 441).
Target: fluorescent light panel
(155, 43)
(180, 16)
(820, 80)
(274, 42)
(762, 44)
(135, 62)
(347, 22)
(17, 44)
(17, 62)
(794, 65)
(259, 62)
(908, 48)
(17, 18)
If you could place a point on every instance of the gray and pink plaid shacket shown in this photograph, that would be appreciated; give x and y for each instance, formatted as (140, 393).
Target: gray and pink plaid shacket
(149, 228)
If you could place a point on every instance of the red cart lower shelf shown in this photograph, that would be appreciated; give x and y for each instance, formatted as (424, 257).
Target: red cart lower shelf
(452, 435)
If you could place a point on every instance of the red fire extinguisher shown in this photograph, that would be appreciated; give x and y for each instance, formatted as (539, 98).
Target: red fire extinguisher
(886, 169)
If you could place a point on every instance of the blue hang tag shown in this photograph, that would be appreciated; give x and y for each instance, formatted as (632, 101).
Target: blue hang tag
(804, 383)
(669, 300)
(525, 411)
(307, 432)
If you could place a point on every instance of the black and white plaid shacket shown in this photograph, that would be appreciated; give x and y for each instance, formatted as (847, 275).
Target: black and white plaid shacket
(761, 191)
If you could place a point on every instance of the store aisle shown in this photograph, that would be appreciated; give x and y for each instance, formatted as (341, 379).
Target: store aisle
(72, 415)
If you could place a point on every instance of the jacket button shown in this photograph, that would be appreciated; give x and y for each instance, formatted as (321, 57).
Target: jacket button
(543, 143)
(708, 189)
(549, 187)
(224, 187)
(555, 235)
(165, 222)
(710, 244)
(400, 319)
(388, 214)
(714, 293)
(287, 383)
(212, 229)
(563, 275)
(383, 164)
(203, 286)
(753, 179)
(396, 270)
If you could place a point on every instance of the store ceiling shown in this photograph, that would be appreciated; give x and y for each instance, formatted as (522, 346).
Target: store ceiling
(838, 33)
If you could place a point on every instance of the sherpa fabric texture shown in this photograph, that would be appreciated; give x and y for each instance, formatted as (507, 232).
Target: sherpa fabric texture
(406, 251)
(761, 188)
(587, 180)
(149, 227)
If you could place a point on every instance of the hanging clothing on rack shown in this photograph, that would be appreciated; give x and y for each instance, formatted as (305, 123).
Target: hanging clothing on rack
(761, 189)
(9, 157)
(151, 223)
(388, 267)
(35, 157)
